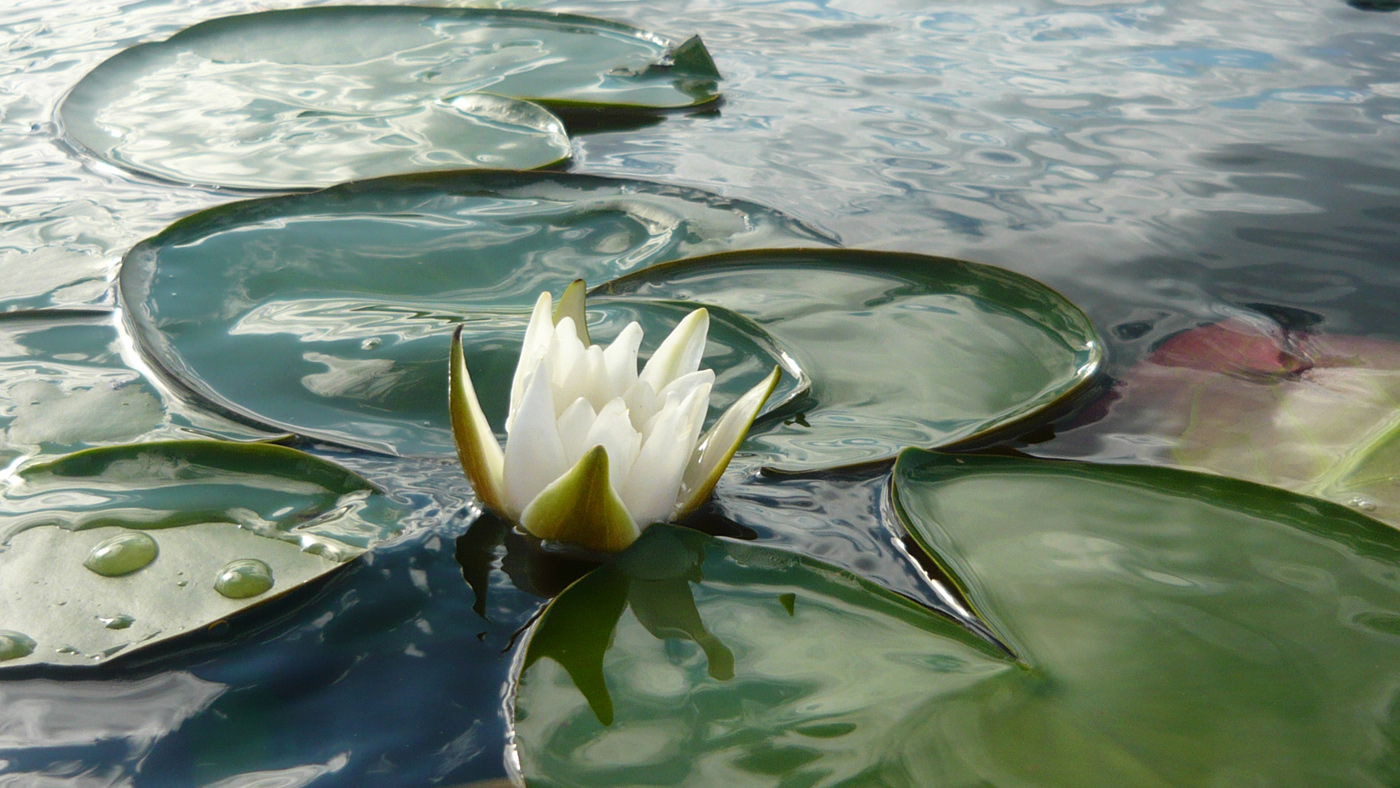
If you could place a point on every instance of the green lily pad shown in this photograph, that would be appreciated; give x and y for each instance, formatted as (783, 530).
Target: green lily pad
(1317, 414)
(315, 96)
(902, 349)
(1170, 629)
(695, 661)
(1209, 631)
(110, 549)
(329, 314)
(63, 386)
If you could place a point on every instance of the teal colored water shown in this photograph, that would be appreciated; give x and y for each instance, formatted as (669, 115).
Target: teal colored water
(1160, 164)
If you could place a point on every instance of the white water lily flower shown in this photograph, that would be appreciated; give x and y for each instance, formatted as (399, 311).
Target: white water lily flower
(595, 451)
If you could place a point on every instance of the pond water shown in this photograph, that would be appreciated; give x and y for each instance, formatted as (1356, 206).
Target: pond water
(1161, 164)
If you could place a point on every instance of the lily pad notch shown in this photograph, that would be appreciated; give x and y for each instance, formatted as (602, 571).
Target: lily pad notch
(310, 97)
(106, 551)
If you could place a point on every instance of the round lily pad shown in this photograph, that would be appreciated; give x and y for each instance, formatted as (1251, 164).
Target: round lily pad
(1206, 630)
(690, 660)
(110, 549)
(1165, 628)
(293, 147)
(902, 349)
(314, 96)
(63, 386)
(329, 314)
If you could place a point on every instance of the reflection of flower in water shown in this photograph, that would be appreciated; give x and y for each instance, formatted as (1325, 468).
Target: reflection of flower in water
(596, 451)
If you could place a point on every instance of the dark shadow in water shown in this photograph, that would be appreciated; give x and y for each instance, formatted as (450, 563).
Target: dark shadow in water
(1375, 5)
(585, 120)
(492, 543)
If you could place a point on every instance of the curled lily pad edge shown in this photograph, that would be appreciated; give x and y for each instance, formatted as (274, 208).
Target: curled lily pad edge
(173, 374)
(333, 476)
(1202, 486)
(1034, 415)
(271, 447)
(682, 55)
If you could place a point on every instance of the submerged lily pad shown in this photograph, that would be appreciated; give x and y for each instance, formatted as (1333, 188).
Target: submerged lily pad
(1312, 413)
(109, 549)
(329, 314)
(902, 349)
(314, 96)
(1169, 629)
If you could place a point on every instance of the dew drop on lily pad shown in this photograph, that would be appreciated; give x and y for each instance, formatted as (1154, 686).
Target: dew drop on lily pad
(119, 621)
(122, 554)
(243, 578)
(14, 645)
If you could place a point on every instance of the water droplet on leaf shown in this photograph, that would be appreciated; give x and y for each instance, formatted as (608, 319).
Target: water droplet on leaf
(1364, 504)
(243, 578)
(122, 554)
(14, 645)
(119, 621)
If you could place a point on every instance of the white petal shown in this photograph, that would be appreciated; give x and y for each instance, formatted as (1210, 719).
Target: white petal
(620, 359)
(718, 446)
(681, 351)
(682, 386)
(534, 454)
(642, 403)
(651, 490)
(574, 424)
(537, 339)
(613, 431)
(477, 449)
(566, 352)
(588, 378)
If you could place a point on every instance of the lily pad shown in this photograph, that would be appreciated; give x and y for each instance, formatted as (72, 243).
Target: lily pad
(902, 349)
(110, 549)
(1313, 413)
(63, 386)
(329, 314)
(1206, 631)
(1169, 629)
(314, 96)
(695, 661)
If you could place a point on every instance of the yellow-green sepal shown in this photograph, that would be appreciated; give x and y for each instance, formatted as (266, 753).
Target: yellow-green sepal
(582, 508)
(717, 448)
(573, 304)
(481, 456)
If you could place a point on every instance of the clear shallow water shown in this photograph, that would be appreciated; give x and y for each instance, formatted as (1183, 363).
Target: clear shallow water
(1159, 163)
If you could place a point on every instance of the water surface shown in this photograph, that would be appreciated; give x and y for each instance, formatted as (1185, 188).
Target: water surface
(1161, 164)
